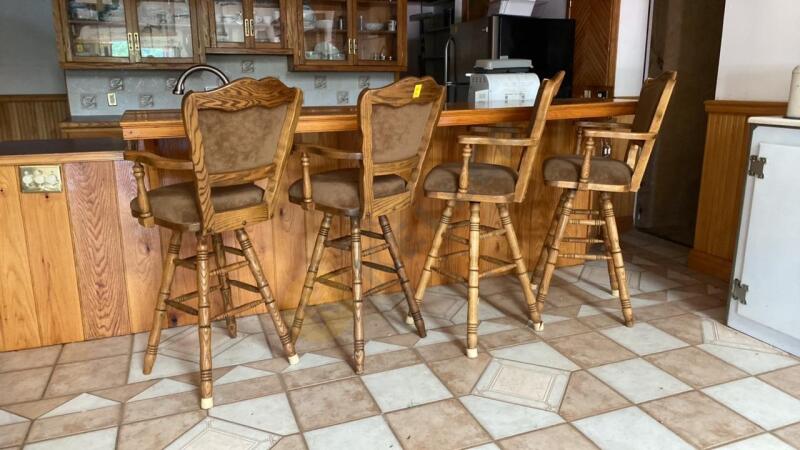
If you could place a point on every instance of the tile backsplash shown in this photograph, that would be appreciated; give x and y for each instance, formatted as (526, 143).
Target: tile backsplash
(152, 89)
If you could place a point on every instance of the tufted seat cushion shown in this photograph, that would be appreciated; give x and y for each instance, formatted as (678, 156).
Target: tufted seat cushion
(177, 203)
(603, 170)
(338, 190)
(484, 179)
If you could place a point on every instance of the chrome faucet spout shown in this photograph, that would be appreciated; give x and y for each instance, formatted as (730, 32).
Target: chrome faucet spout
(179, 85)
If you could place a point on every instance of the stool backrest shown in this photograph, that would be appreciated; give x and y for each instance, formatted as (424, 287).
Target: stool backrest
(650, 110)
(547, 92)
(397, 122)
(240, 133)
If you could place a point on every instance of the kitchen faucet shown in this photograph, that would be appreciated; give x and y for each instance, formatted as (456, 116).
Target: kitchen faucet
(200, 67)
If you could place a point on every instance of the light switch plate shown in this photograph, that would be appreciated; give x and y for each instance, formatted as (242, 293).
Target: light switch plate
(34, 179)
(112, 99)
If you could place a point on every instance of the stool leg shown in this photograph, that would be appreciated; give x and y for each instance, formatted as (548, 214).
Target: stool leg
(204, 324)
(224, 285)
(358, 325)
(552, 253)
(311, 276)
(521, 270)
(167, 274)
(473, 280)
(612, 276)
(538, 272)
(616, 257)
(266, 294)
(433, 254)
(394, 250)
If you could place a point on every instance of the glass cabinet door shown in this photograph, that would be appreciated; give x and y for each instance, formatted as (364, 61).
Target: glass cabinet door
(164, 31)
(377, 31)
(229, 20)
(266, 26)
(325, 32)
(97, 30)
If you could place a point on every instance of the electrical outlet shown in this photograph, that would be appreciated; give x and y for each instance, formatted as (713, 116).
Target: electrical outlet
(112, 99)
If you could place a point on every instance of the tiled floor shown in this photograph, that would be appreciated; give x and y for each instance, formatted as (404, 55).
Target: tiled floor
(678, 379)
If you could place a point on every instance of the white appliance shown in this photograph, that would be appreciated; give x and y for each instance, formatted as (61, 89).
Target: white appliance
(503, 89)
(764, 299)
(511, 7)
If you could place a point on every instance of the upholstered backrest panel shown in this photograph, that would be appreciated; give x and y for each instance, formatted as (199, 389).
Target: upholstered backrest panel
(397, 132)
(240, 140)
(646, 109)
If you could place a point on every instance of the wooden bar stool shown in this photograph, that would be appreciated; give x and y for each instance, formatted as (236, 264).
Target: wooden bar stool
(396, 124)
(586, 172)
(239, 134)
(478, 183)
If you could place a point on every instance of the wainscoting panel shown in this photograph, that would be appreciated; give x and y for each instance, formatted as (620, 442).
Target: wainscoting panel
(28, 117)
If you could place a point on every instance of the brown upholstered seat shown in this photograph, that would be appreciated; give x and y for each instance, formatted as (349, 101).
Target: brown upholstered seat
(337, 190)
(177, 203)
(604, 171)
(484, 179)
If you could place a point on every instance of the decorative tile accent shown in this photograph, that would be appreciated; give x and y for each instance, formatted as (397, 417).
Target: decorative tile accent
(342, 97)
(629, 428)
(88, 101)
(116, 84)
(638, 380)
(763, 404)
(248, 66)
(523, 384)
(320, 82)
(271, 413)
(213, 434)
(363, 82)
(146, 101)
(537, 353)
(405, 387)
(503, 419)
(170, 83)
(366, 434)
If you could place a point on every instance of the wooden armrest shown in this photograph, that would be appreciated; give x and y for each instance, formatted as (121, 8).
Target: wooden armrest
(329, 152)
(497, 129)
(612, 134)
(483, 140)
(603, 125)
(159, 162)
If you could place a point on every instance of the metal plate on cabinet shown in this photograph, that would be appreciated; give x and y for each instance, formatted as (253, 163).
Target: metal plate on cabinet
(37, 179)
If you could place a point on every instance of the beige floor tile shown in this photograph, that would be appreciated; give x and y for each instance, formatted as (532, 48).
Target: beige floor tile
(505, 338)
(696, 367)
(568, 295)
(559, 437)
(591, 349)
(523, 384)
(629, 428)
(32, 410)
(687, 327)
(270, 413)
(460, 374)
(14, 434)
(405, 387)
(314, 336)
(388, 361)
(404, 340)
(95, 349)
(29, 359)
(440, 425)
(657, 312)
(502, 419)
(790, 434)
(442, 350)
(787, 380)
(160, 407)
(375, 326)
(243, 390)
(342, 310)
(699, 303)
(126, 392)
(700, 420)
(293, 442)
(317, 375)
(23, 385)
(157, 433)
(601, 321)
(332, 403)
(88, 376)
(562, 328)
(638, 380)
(59, 426)
(588, 396)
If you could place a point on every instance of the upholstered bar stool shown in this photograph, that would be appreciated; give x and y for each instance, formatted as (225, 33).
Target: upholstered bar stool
(478, 183)
(586, 172)
(239, 134)
(396, 124)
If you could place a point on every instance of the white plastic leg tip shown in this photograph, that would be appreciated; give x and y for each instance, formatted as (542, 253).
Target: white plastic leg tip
(534, 286)
(409, 320)
(536, 326)
(615, 292)
(207, 403)
(472, 353)
(294, 359)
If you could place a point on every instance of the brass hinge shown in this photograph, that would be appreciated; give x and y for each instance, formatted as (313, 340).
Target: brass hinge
(756, 168)
(740, 291)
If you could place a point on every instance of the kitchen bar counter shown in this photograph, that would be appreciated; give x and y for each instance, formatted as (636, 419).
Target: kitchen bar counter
(83, 268)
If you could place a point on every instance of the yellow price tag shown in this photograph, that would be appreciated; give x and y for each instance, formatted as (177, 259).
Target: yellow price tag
(417, 91)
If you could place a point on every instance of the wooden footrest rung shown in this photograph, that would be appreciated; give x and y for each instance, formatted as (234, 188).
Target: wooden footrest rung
(377, 266)
(493, 260)
(449, 274)
(588, 222)
(578, 240)
(498, 270)
(188, 263)
(584, 256)
(243, 285)
(340, 243)
(333, 273)
(234, 251)
(229, 268)
(181, 307)
(455, 238)
(586, 212)
(447, 255)
(372, 234)
(459, 224)
(381, 287)
(186, 297)
(375, 249)
(335, 284)
(492, 232)
(237, 310)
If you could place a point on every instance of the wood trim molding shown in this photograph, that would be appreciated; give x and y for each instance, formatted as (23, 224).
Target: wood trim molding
(60, 158)
(710, 264)
(33, 98)
(744, 107)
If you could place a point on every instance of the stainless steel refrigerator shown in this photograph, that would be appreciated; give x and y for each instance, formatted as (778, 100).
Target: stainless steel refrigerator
(548, 43)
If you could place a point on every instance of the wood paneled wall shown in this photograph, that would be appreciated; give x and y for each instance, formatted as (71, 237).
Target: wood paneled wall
(724, 167)
(596, 30)
(29, 117)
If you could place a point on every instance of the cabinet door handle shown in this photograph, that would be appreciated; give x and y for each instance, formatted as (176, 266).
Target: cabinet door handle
(130, 42)
(252, 28)
(247, 27)
(349, 46)
(355, 46)
(136, 42)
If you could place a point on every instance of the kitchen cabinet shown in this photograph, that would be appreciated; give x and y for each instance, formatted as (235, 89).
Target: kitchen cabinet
(764, 299)
(348, 35)
(127, 33)
(247, 26)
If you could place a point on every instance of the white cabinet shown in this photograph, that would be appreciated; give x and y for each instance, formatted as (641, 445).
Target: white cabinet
(765, 291)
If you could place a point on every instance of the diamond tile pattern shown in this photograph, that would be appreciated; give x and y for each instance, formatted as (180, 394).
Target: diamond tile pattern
(679, 379)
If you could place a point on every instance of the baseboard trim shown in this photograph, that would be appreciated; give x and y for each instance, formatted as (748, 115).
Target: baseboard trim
(710, 265)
